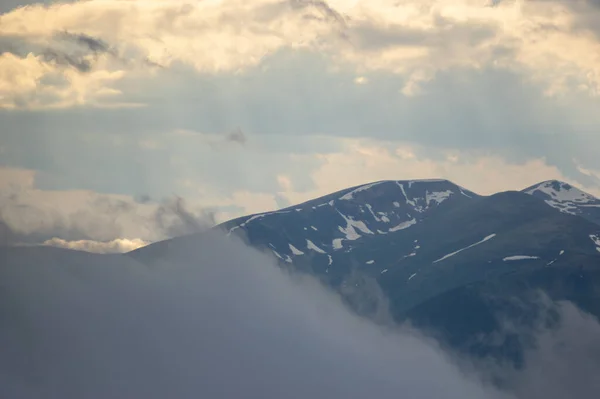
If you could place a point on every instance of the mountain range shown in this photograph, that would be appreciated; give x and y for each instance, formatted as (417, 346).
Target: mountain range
(445, 258)
(464, 267)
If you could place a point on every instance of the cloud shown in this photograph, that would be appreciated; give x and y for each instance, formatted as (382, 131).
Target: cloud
(222, 313)
(415, 40)
(565, 360)
(237, 136)
(173, 217)
(85, 219)
(95, 45)
(215, 312)
(119, 245)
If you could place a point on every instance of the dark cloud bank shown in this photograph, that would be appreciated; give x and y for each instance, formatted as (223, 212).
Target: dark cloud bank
(220, 321)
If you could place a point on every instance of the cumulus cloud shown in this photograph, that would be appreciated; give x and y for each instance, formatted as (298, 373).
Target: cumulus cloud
(219, 320)
(413, 39)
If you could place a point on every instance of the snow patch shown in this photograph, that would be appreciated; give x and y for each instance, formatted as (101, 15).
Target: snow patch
(408, 201)
(437, 196)
(519, 257)
(311, 245)
(404, 225)
(470, 246)
(246, 222)
(350, 195)
(337, 243)
(295, 250)
(596, 239)
(251, 218)
(349, 230)
(372, 213)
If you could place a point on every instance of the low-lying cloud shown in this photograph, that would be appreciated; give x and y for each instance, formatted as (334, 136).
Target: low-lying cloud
(215, 320)
(96, 222)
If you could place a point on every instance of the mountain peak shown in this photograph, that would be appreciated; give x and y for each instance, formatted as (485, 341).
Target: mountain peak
(559, 191)
(567, 199)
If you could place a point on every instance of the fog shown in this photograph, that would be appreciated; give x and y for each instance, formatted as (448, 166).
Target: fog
(219, 320)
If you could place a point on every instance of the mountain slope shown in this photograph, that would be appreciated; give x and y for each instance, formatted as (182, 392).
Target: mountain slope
(567, 199)
(418, 239)
(337, 222)
(487, 238)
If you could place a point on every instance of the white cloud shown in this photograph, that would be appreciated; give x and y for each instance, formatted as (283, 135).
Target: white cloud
(415, 39)
(119, 245)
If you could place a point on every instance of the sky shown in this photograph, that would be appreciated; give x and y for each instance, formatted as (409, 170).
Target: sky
(128, 121)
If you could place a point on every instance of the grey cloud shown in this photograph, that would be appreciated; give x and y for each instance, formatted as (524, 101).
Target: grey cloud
(368, 36)
(218, 320)
(81, 59)
(237, 136)
(323, 7)
(104, 220)
(79, 63)
(565, 361)
(94, 44)
(586, 13)
(173, 217)
(7, 236)
(143, 198)
(9, 5)
(76, 50)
